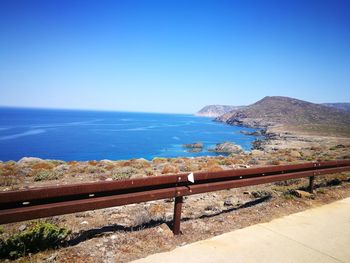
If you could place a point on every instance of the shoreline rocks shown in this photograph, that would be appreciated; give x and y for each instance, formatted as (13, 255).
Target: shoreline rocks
(227, 147)
(194, 147)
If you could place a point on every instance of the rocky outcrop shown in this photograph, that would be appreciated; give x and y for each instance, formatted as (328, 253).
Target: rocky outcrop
(193, 147)
(227, 147)
(301, 194)
(253, 133)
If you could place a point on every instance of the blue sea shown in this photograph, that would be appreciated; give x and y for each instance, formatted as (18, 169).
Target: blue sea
(97, 135)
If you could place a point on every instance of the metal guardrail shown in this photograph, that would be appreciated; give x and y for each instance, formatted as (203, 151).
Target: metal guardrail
(41, 202)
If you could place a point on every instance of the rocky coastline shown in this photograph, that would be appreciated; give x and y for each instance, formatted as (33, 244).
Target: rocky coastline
(274, 136)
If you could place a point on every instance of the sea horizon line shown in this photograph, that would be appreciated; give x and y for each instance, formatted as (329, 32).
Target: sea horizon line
(90, 110)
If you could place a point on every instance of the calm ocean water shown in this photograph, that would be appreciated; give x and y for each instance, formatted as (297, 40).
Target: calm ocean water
(96, 135)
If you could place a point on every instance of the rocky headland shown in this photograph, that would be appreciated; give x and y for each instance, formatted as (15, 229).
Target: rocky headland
(227, 148)
(213, 111)
(292, 123)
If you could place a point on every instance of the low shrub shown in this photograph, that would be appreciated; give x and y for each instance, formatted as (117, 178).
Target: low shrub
(159, 160)
(168, 168)
(139, 163)
(9, 180)
(40, 237)
(321, 191)
(288, 196)
(275, 162)
(260, 194)
(149, 172)
(214, 168)
(42, 166)
(334, 182)
(7, 169)
(109, 167)
(123, 172)
(92, 163)
(253, 161)
(72, 163)
(44, 175)
(93, 170)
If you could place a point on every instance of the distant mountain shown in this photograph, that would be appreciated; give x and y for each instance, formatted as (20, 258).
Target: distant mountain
(342, 106)
(216, 110)
(294, 113)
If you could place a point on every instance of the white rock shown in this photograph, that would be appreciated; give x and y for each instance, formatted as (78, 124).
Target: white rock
(165, 230)
(22, 227)
(51, 258)
(28, 160)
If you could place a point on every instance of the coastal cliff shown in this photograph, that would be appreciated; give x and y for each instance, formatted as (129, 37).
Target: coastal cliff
(214, 111)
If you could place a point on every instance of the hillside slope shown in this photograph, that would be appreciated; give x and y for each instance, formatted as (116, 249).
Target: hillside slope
(296, 115)
(342, 106)
(216, 110)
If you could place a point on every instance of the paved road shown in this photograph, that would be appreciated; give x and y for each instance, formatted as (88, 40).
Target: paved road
(317, 235)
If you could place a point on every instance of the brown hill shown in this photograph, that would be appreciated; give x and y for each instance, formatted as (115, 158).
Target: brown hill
(292, 113)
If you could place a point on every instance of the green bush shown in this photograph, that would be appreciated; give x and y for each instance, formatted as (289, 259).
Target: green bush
(39, 237)
(288, 196)
(123, 172)
(44, 175)
(321, 191)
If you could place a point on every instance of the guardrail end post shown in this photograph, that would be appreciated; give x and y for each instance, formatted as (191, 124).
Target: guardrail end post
(311, 184)
(177, 215)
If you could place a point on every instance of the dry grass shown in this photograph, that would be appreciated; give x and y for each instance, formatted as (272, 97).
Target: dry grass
(43, 166)
(168, 168)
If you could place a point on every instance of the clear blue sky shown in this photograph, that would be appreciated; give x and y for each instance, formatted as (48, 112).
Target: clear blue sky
(172, 56)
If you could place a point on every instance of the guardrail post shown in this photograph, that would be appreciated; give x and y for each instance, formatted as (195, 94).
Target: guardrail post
(311, 184)
(177, 215)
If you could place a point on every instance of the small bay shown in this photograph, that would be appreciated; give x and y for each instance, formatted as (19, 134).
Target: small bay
(97, 135)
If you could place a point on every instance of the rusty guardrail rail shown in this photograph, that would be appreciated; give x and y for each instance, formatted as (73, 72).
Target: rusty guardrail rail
(64, 199)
